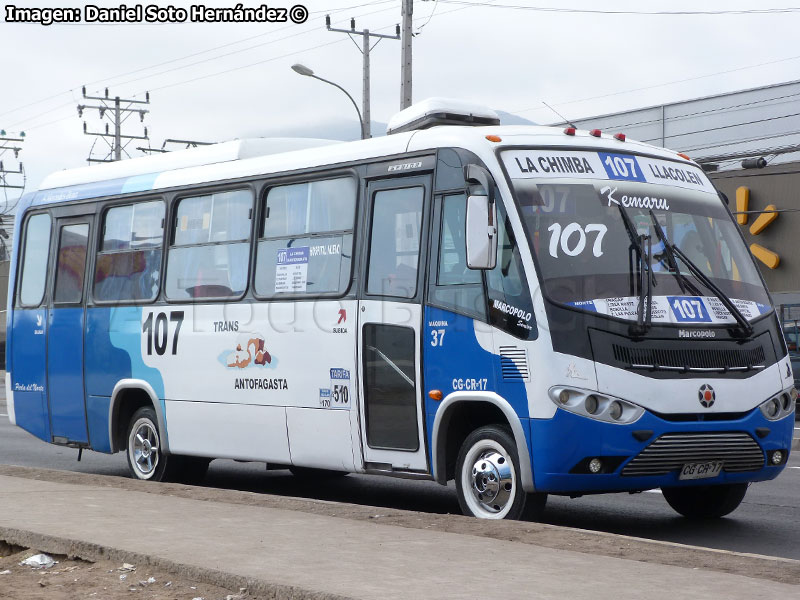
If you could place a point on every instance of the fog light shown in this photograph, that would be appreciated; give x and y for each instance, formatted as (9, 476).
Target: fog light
(590, 404)
(615, 410)
(775, 459)
(563, 396)
(595, 465)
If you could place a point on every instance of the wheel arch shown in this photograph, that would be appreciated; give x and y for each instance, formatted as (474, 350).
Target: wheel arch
(127, 397)
(462, 405)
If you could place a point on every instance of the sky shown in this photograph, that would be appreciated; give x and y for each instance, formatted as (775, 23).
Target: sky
(217, 82)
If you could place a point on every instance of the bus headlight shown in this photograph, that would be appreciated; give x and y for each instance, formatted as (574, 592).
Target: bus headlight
(595, 406)
(779, 406)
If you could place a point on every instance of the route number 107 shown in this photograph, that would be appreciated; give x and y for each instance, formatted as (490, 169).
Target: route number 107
(157, 329)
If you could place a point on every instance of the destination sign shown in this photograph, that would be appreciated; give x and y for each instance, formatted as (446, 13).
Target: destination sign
(561, 164)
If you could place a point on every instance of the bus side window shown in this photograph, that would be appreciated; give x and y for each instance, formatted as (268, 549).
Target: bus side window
(453, 285)
(510, 304)
(128, 263)
(306, 245)
(210, 252)
(34, 263)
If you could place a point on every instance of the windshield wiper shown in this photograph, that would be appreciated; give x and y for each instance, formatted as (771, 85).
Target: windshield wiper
(671, 250)
(744, 324)
(683, 281)
(644, 311)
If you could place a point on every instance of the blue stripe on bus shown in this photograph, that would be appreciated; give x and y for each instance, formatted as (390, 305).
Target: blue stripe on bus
(112, 187)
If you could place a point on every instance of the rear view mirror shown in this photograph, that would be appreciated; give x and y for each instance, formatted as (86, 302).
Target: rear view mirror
(481, 219)
(481, 233)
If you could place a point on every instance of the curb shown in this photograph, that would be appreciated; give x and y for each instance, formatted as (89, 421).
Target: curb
(92, 552)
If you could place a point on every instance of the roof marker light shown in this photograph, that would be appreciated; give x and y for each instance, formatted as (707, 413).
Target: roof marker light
(494, 138)
(570, 131)
(619, 136)
(682, 155)
(595, 133)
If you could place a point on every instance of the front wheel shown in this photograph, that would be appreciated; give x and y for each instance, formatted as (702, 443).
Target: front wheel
(488, 476)
(706, 501)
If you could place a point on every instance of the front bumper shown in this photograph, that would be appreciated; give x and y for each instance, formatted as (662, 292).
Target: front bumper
(562, 446)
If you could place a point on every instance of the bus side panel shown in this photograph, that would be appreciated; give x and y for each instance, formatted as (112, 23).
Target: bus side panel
(113, 352)
(459, 358)
(29, 375)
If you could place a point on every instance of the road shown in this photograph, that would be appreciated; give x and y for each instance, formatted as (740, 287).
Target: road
(767, 522)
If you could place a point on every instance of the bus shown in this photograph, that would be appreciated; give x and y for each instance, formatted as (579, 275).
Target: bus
(522, 310)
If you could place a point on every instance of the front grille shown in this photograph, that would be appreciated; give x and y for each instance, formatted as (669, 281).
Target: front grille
(514, 363)
(688, 359)
(737, 450)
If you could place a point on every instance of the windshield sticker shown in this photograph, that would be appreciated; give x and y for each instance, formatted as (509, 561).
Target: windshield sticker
(614, 199)
(550, 164)
(572, 246)
(673, 309)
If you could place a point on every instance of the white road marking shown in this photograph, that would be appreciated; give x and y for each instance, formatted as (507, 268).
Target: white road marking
(657, 491)
(794, 467)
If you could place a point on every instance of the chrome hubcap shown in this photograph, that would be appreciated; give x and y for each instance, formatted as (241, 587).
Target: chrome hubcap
(144, 445)
(492, 481)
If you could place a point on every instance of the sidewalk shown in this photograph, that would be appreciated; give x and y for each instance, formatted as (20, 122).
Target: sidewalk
(291, 554)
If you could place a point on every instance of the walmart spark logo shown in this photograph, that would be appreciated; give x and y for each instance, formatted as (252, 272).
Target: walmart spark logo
(767, 216)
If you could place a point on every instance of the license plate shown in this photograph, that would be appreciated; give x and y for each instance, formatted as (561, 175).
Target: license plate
(701, 470)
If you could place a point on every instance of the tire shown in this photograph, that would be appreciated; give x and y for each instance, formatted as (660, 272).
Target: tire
(145, 460)
(488, 475)
(309, 473)
(707, 501)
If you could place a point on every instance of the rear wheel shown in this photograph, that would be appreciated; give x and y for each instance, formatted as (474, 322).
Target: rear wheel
(488, 476)
(145, 459)
(706, 501)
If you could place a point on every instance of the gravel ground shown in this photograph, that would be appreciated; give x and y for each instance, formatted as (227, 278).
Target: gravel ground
(75, 579)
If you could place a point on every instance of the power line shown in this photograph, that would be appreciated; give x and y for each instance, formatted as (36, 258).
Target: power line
(192, 55)
(763, 11)
(658, 85)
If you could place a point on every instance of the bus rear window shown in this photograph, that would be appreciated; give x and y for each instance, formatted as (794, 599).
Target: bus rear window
(34, 262)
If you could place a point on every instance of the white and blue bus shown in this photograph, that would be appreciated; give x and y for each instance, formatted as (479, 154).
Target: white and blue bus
(524, 310)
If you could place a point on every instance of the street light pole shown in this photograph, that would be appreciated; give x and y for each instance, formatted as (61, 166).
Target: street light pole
(306, 72)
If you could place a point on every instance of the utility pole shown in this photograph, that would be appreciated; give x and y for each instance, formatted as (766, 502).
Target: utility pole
(112, 109)
(366, 131)
(8, 143)
(405, 58)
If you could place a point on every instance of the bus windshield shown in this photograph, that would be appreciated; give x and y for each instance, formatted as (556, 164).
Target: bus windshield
(589, 257)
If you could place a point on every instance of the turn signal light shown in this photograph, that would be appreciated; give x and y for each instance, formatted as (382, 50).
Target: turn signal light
(494, 138)
(436, 395)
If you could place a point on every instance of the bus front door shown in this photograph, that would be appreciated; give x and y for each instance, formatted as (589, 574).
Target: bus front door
(390, 318)
(65, 333)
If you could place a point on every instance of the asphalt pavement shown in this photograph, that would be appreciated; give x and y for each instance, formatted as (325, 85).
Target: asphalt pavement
(767, 522)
